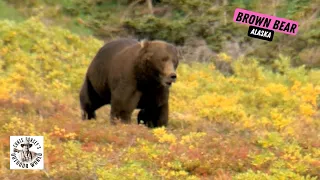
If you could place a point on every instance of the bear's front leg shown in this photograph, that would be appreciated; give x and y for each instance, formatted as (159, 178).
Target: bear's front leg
(123, 106)
(155, 116)
(148, 116)
(141, 116)
(163, 116)
(119, 114)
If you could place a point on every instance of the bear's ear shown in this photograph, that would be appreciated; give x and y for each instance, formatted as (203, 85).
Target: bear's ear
(144, 44)
(144, 53)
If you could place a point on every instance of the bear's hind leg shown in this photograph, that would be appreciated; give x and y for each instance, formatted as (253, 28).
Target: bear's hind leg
(83, 114)
(88, 114)
(91, 101)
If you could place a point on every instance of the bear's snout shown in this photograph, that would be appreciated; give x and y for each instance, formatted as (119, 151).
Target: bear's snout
(170, 79)
(173, 76)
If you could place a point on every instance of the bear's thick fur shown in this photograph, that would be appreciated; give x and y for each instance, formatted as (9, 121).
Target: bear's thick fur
(130, 75)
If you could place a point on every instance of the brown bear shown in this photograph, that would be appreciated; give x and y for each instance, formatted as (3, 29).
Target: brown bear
(129, 75)
(93, 94)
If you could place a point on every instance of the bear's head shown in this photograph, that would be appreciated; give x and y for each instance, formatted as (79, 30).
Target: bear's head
(161, 60)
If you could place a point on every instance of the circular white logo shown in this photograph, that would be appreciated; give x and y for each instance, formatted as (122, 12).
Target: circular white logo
(26, 152)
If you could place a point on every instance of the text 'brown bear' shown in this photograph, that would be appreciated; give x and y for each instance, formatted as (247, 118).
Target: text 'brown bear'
(129, 75)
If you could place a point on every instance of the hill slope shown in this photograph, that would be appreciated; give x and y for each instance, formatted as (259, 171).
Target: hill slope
(177, 21)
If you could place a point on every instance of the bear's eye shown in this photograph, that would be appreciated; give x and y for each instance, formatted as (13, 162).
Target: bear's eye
(165, 59)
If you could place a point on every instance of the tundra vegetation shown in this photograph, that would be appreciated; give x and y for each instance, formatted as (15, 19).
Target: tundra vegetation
(260, 121)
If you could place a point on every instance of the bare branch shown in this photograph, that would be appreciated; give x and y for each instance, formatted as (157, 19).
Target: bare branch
(149, 2)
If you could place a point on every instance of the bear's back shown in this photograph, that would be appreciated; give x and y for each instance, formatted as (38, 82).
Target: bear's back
(98, 70)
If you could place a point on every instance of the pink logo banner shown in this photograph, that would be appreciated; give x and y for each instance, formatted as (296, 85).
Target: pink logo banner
(265, 21)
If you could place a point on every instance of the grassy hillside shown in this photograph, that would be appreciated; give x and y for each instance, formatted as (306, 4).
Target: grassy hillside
(255, 124)
(8, 12)
(177, 21)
